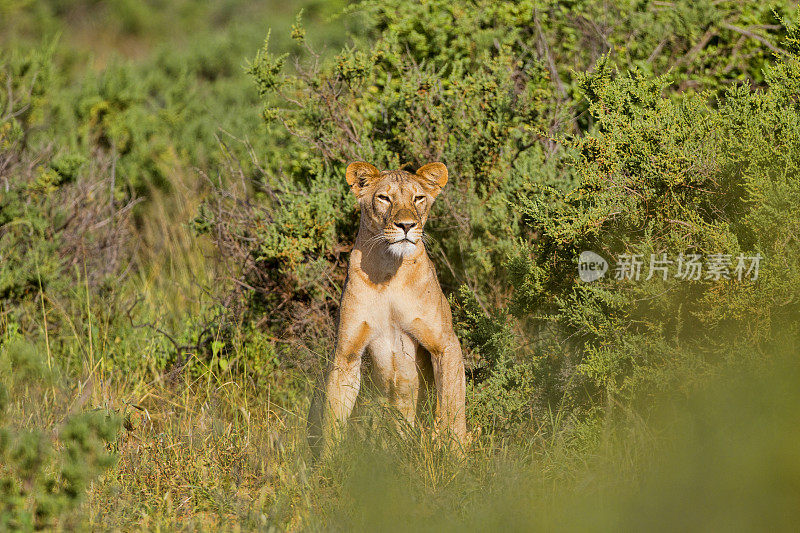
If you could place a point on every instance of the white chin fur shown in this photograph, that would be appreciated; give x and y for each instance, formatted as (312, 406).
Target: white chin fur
(402, 248)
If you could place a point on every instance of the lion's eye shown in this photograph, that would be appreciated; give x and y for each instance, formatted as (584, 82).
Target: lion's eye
(418, 199)
(383, 197)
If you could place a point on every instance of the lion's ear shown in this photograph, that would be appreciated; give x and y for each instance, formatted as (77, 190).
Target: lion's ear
(434, 174)
(360, 174)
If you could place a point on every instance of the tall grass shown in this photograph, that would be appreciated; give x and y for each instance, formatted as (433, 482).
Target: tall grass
(219, 455)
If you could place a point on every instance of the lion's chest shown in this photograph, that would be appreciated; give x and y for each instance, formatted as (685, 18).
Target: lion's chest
(394, 308)
(391, 311)
(392, 347)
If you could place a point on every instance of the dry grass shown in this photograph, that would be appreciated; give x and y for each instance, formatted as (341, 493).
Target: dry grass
(194, 454)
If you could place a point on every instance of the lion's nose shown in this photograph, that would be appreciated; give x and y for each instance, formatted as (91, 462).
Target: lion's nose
(405, 226)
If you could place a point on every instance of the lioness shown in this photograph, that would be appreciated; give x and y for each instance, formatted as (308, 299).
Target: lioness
(393, 306)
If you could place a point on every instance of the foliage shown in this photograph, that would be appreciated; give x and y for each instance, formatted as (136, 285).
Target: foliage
(174, 226)
(647, 166)
(674, 176)
(44, 477)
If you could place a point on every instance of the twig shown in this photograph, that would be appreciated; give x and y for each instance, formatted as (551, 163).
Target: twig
(180, 348)
(707, 36)
(550, 63)
(757, 37)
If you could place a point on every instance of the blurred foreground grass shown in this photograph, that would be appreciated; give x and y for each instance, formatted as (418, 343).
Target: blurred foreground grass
(216, 453)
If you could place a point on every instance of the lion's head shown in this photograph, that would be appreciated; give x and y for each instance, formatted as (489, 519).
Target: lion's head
(395, 203)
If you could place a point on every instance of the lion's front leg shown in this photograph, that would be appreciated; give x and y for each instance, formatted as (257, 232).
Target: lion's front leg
(451, 386)
(449, 378)
(333, 405)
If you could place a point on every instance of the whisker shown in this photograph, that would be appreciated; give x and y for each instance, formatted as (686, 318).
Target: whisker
(428, 240)
(374, 240)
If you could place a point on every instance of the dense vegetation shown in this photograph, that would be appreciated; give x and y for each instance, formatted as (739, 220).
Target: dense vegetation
(174, 223)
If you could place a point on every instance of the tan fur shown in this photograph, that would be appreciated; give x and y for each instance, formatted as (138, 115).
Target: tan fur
(393, 308)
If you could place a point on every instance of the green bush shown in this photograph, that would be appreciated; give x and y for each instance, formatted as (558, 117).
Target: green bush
(674, 176)
(44, 474)
(646, 166)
